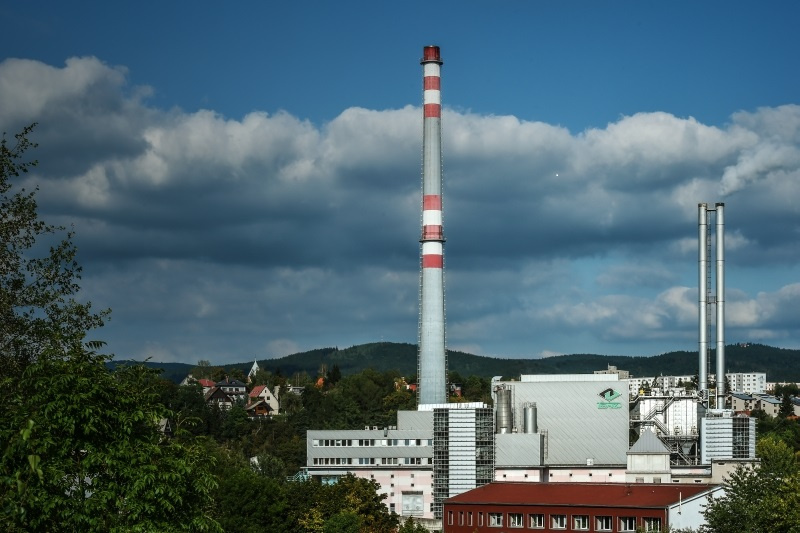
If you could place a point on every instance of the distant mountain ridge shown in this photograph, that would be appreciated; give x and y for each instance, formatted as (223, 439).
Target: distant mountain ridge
(780, 364)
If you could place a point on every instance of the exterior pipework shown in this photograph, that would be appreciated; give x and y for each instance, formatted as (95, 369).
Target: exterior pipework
(720, 208)
(702, 290)
(432, 362)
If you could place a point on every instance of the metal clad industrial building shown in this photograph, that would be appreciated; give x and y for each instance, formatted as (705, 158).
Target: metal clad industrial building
(582, 420)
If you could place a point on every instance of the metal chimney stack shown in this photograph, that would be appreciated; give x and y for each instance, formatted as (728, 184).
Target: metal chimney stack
(705, 299)
(432, 361)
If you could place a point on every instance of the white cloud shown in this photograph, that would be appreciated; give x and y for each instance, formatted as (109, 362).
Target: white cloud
(213, 237)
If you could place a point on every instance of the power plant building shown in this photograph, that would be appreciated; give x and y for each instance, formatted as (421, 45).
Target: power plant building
(547, 422)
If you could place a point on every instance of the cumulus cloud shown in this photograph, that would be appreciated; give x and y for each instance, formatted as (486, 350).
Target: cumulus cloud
(224, 239)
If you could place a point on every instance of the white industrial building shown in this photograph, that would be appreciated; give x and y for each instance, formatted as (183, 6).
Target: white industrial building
(436, 452)
(726, 435)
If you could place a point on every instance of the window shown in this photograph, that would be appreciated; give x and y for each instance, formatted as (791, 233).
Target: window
(627, 523)
(652, 524)
(450, 518)
(580, 522)
(536, 521)
(469, 518)
(495, 519)
(480, 518)
(558, 521)
(461, 518)
(515, 520)
(602, 523)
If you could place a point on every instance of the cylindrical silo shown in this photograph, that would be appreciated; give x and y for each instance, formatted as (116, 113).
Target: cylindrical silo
(530, 418)
(505, 418)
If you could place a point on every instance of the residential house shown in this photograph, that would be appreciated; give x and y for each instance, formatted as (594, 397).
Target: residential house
(259, 408)
(769, 404)
(233, 388)
(262, 393)
(742, 402)
(220, 398)
(207, 384)
(191, 380)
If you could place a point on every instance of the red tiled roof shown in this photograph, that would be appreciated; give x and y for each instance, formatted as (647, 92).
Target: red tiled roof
(256, 391)
(639, 495)
(205, 382)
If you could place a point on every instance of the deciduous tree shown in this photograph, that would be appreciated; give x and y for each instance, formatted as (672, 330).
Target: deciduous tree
(38, 273)
(765, 499)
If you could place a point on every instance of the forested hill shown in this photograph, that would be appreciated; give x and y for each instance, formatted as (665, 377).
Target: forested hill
(779, 364)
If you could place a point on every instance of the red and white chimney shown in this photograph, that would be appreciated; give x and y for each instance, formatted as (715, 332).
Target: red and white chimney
(432, 360)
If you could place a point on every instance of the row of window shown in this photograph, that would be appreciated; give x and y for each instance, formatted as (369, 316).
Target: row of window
(371, 461)
(372, 442)
(556, 521)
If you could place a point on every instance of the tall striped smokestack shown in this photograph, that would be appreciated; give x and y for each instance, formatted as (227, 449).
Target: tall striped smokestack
(432, 361)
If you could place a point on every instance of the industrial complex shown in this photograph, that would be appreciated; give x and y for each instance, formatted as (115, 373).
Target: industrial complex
(633, 460)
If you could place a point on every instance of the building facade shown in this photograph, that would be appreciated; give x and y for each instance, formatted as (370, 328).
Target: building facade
(548, 423)
(463, 449)
(587, 507)
(725, 435)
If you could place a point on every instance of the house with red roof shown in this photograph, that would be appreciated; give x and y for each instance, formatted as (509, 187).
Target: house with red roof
(262, 393)
(589, 507)
(207, 384)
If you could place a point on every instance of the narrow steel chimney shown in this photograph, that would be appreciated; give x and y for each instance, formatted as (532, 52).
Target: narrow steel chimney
(705, 299)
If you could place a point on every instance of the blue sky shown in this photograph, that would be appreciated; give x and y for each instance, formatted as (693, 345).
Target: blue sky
(244, 180)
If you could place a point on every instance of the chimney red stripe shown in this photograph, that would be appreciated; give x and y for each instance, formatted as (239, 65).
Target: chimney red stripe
(433, 110)
(432, 261)
(432, 83)
(433, 232)
(432, 202)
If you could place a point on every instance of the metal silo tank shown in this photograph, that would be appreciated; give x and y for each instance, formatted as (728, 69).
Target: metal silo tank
(505, 419)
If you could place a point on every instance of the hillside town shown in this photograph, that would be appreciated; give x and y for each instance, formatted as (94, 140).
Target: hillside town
(630, 453)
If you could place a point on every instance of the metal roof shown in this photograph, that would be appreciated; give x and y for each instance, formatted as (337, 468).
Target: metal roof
(648, 442)
(638, 495)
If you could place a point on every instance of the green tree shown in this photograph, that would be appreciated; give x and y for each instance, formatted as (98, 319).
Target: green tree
(410, 526)
(344, 522)
(350, 494)
(93, 457)
(335, 375)
(38, 311)
(765, 499)
(247, 502)
(787, 408)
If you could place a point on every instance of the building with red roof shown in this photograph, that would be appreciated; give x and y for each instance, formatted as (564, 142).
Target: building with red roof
(262, 393)
(590, 507)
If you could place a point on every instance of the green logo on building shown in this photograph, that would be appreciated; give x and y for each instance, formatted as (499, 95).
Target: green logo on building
(608, 396)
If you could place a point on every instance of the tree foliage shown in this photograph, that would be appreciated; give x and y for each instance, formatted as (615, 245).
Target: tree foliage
(350, 496)
(38, 273)
(765, 499)
(101, 462)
